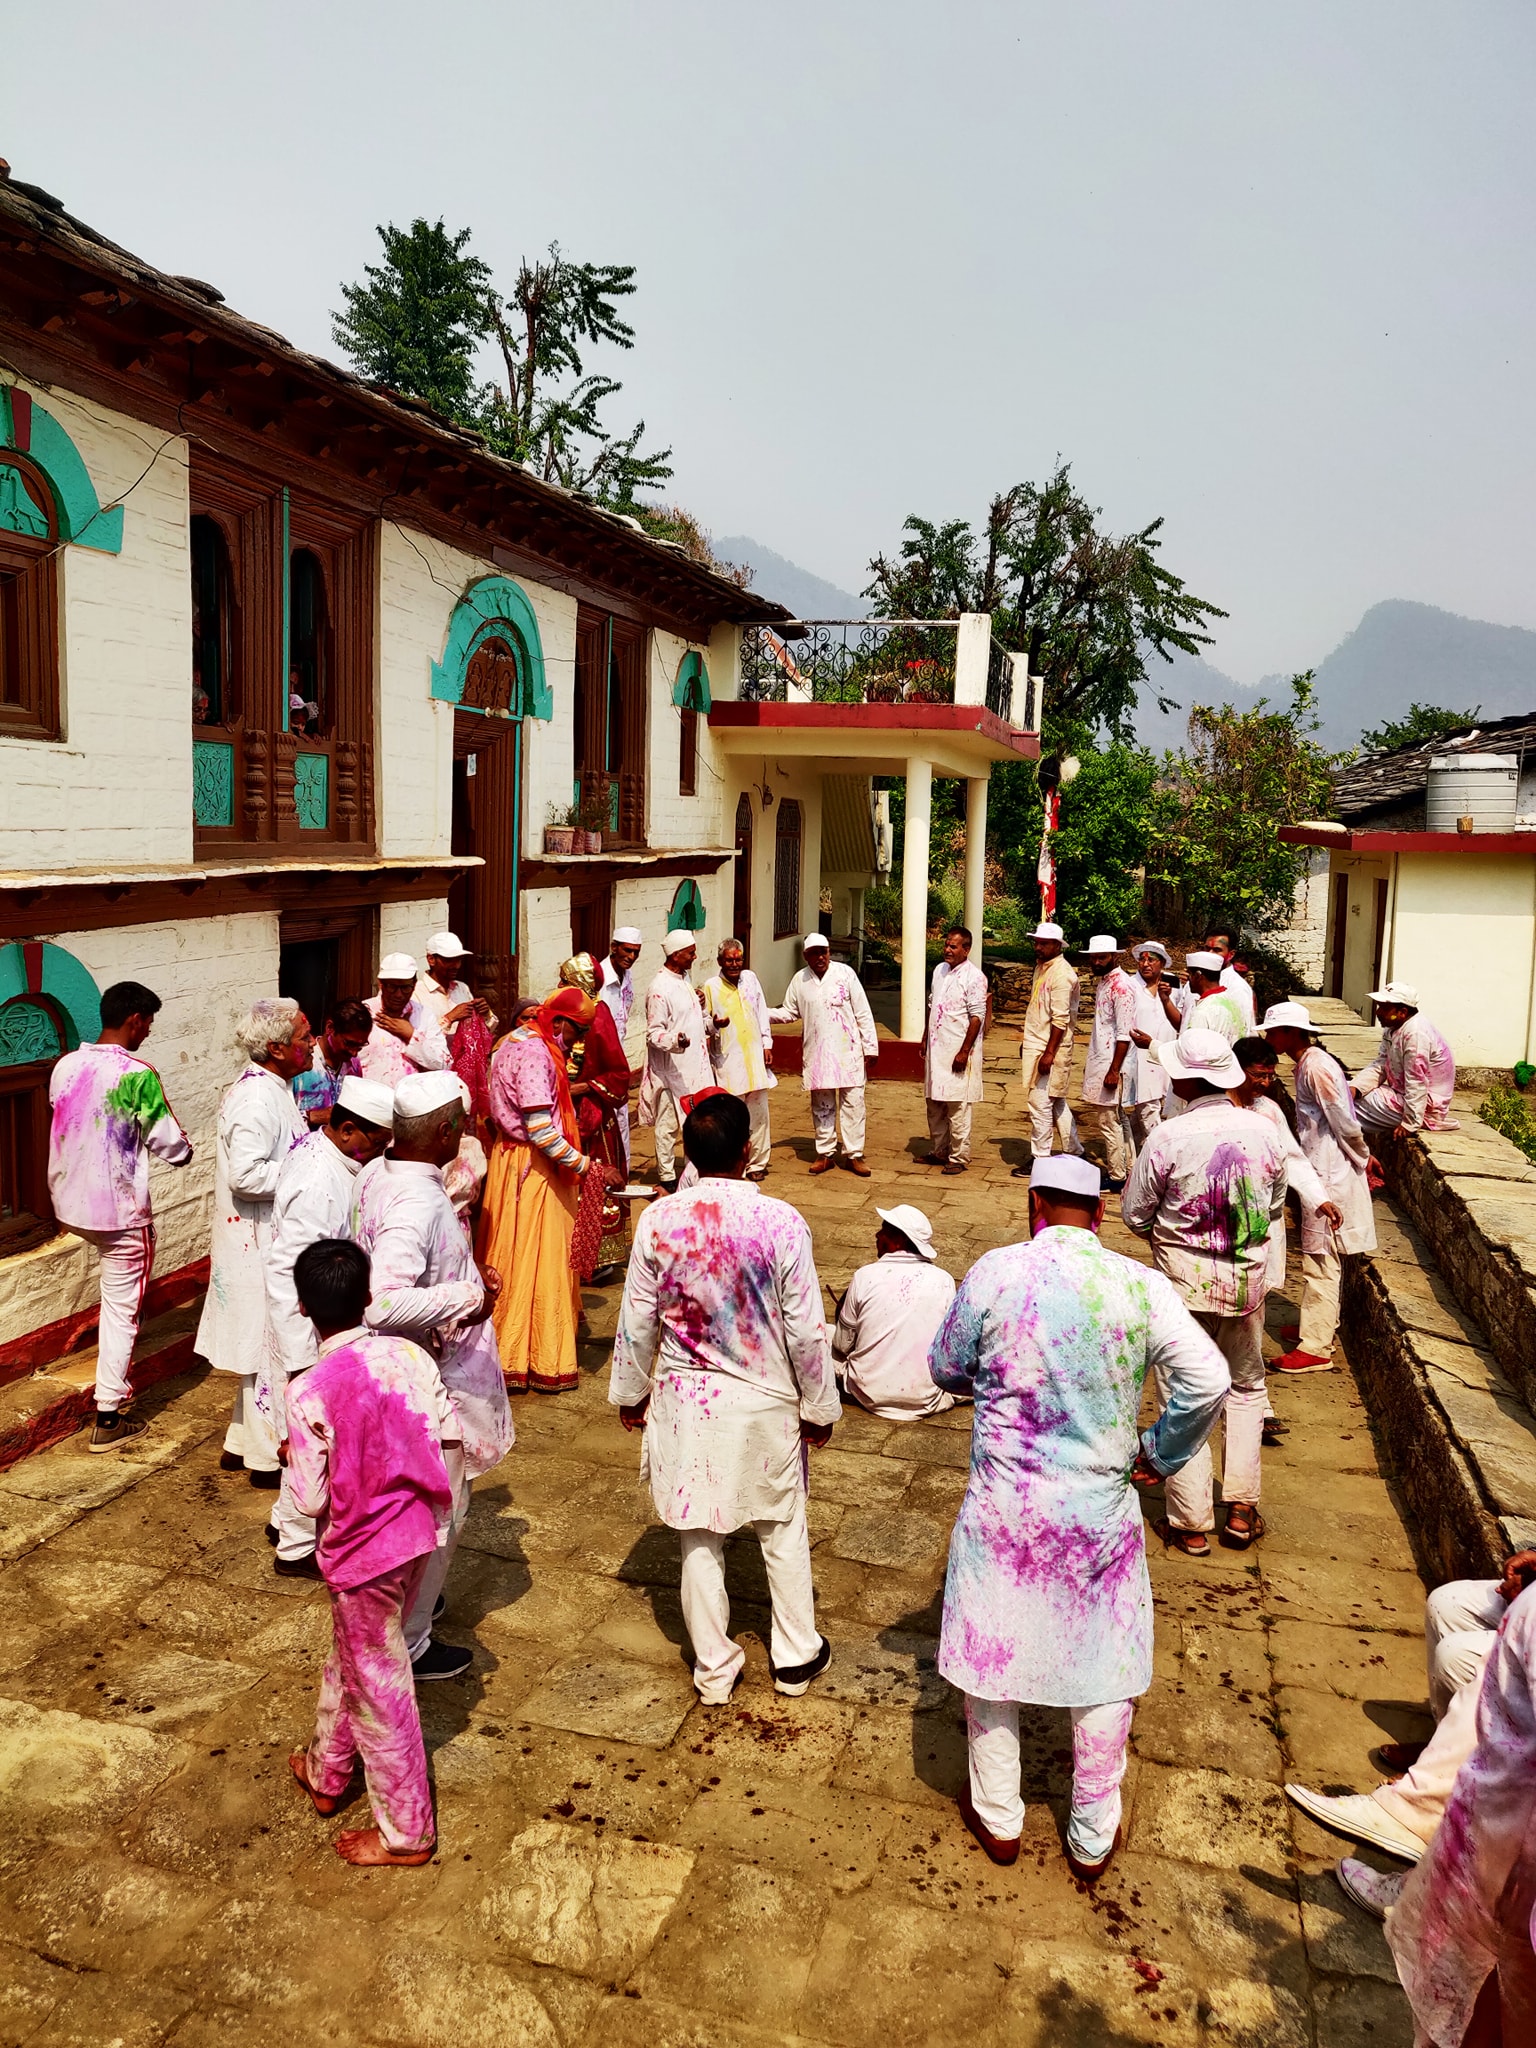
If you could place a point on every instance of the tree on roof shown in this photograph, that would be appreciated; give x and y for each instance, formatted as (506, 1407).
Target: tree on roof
(1422, 722)
(419, 322)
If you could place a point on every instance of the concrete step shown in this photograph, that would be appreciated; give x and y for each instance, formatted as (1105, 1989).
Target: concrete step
(52, 1404)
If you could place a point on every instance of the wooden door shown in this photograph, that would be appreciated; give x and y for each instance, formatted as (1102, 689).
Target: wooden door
(483, 904)
(1340, 929)
(741, 898)
(1379, 933)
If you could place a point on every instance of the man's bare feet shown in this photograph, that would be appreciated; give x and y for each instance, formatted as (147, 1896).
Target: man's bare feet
(322, 1802)
(365, 1847)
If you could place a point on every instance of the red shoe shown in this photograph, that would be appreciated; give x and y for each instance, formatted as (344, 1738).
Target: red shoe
(1301, 1361)
(1000, 1851)
(1288, 1333)
(1090, 1873)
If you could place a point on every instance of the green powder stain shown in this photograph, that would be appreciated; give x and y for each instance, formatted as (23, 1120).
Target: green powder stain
(139, 1099)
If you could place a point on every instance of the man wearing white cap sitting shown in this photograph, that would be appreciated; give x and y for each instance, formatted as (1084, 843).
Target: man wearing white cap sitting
(315, 1187)
(449, 998)
(405, 1038)
(1207, 1189)
(1409, 1085)
(676, 1050)
(426, 1286)
(1109, 1048)
(1209, 1006)
(838, 1047)
(1330, 1135)
(957, 1011)
(1046, 1047)
(1047, 1598)
(890, 1316)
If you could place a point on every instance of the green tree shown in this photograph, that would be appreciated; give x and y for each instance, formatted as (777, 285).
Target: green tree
(1217, 808)
(1423, 722)
(417, 320)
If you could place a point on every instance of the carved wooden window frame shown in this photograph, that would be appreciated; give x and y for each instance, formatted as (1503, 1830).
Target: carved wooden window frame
(788, 867)
(29, 618)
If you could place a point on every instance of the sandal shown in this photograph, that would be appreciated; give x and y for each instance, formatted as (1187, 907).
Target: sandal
(1244, 1526)
(1190, 1542)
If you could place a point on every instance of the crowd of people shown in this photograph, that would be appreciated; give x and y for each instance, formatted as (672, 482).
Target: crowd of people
(406, 1207)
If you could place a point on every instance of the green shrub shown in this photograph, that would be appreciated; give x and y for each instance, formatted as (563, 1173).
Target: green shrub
(1507, 1112)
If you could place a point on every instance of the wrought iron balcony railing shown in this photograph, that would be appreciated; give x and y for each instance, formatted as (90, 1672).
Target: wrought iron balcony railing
(880, 661)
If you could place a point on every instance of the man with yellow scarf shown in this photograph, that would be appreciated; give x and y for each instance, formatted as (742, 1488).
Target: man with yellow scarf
(741, 1044)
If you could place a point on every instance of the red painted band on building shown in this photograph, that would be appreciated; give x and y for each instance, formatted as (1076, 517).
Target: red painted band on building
(23, 1356)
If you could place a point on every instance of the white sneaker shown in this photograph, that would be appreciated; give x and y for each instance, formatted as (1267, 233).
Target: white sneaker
(1373, 1891)
(1360, 1817)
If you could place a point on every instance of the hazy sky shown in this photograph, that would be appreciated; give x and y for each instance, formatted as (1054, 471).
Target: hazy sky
(1266, 271)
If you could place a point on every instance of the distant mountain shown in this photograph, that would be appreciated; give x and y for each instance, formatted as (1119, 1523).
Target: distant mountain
(808, 596)
(1186, 680)
(1403, 653)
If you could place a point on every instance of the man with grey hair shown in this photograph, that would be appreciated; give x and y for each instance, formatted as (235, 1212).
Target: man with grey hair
(426, 1286)
(259, 1122)
(741, 1043)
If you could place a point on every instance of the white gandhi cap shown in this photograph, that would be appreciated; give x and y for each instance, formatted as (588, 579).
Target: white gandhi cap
(913, 1225)
(446, 946)
(374, 1101)
(626, 935)
(1208, 963)
(674, 942)
(815, 942)
(1066, 1174)
(397, 967)
(420, 1094)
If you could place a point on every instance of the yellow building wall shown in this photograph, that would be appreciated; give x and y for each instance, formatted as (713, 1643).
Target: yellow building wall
(1463, 935)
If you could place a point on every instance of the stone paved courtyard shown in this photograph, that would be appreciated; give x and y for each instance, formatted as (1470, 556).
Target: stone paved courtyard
(619, 1865)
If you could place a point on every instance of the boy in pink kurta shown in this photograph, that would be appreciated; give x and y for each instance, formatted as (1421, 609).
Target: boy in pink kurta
(366, 1428)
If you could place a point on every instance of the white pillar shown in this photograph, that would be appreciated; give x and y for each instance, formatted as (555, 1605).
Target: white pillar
(975, 858)
(856, 926)
(973, 652)
(914, 899)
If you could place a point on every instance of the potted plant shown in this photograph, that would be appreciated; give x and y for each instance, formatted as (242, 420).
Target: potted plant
(560, 831)
(594, 811)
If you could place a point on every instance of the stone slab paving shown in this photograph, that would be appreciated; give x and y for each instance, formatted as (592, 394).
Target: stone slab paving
(623, 1868)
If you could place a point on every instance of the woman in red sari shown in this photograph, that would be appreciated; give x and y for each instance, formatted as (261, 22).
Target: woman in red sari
(600, 1088)
(533, 1196)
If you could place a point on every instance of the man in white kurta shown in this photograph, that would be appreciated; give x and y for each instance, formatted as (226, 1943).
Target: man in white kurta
(1224, 944)
(616, 988)
(1409, 1085)
(1209, 1006)
(1109, 1048)
(1154, 1021)
(741, 1043)
(1047, 1598)
(722, 1357)
(890, 1316)
(676, 1050)
(1334, 1144)
(405, 1038)
(315, 1188)
(1045, 1049)
(838, 1042)
(957, 1013)
(1208, 1189)
(259, 1124)
(426, 1286)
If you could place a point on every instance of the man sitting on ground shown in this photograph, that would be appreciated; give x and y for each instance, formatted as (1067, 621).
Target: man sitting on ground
(721, 1357)
(890, 1316)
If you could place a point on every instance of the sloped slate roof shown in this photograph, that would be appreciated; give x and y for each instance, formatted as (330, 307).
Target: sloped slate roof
(1386, 781)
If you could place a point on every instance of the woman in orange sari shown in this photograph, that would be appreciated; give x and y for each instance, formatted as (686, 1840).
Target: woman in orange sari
(532, 1192)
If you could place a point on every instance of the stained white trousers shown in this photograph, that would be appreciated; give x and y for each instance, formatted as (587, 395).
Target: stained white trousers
(249, 1435)
(1049, 1114)
(1460, 1622)
(126, 1259)
(707, 1605)
(1321, 1273)
(837, 1118)
(668, 1134)
(949, 1130)
(1099, 1739)
(760, 1139)
(1189, 1495)
(1113, 1122)
(418, 1620)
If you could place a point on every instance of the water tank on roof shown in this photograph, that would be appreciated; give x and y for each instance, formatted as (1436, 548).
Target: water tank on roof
(1481, 787)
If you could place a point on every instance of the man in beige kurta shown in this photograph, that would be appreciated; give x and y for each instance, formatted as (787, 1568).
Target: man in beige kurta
(1046, 1050)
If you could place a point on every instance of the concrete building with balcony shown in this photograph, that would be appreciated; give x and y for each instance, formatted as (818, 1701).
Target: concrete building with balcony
(294, 671)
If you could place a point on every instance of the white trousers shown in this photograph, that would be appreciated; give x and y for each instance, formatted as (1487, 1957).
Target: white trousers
(668, 1134)
(1382, 1109)
(756, 1100)
(126, 1259)
(1113, 1123)
(1099, 1738)
(1047, 1114)
(1145, 1118)
(949, 1130)
(707, 1605)
(249, 1436)
(1460, 1622)
(295, 1532)
(1240, 1340)
(418, 1622)
(1320, 1277)
(837, 1118)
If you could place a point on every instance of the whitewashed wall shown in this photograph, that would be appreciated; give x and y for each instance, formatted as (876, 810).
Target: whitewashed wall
(117, 789)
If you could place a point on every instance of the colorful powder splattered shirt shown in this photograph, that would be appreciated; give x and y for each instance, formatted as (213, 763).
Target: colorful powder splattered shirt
(837, 1026)
(1206, 1189)
(109, 1115)
(1047, 1598)
(1412, 1078)
(366, 1426)
(721, 1325)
